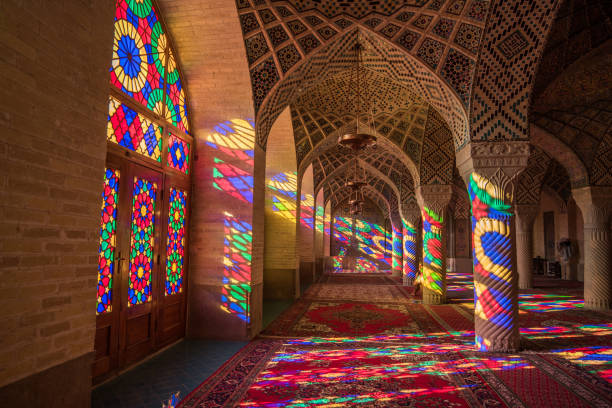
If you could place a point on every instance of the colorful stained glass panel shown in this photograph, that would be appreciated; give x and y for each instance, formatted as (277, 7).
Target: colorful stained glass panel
(177, 108)
(142, 240)
(108, 233)
(138, 62)
(131, 130)
(175, 248)
(178, 154)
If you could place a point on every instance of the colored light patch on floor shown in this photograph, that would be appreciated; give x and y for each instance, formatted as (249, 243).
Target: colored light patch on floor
(541, 303)
(596, 359)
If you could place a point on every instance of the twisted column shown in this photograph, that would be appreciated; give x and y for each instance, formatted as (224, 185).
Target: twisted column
(410, 261)
(525, 216)
(595, 204)
(397, 254)
(434, 200)
(490, 170)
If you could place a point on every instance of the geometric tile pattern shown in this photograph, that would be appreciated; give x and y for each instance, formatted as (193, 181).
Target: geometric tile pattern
(338, 56)
(530, 180)
(514, 39)
(438, 157)
(576, 31)
(586, 131)
(308, 24)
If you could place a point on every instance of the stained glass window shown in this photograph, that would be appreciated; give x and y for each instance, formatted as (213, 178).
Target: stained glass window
(175, 249)
(129, 129)
(178, 154)
(108, 232)
(141, 242)
(177, 110)
(137, 67)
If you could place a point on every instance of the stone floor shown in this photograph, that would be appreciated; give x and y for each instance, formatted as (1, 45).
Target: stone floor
(182, 367)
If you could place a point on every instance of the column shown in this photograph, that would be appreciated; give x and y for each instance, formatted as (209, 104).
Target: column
(433, 200)
(490, 170)
(410, 257)
(525, 216)
(595, 204)
(397, 254)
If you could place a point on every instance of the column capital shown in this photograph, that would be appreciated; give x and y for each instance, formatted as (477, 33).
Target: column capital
(500, 162)
(595, 203)
(525, 215)
(412, 215)
(434, 196)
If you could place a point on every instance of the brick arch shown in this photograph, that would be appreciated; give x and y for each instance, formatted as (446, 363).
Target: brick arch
(562, 153)
(385, 157)
(380, 55)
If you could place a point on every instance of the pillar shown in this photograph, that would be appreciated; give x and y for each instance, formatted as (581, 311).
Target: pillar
(397, 254)
(595, 204)
(525, 216)
(434, 200)
(490, 170)
(410, 257)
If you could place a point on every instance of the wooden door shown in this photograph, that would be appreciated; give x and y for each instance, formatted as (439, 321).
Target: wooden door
(140, 263)
(171, 282)
(126, 309)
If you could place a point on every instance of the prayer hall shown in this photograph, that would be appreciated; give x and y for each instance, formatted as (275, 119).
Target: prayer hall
(306, 203)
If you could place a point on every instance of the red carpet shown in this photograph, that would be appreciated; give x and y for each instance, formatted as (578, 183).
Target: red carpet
(391, 351)
(275, 373)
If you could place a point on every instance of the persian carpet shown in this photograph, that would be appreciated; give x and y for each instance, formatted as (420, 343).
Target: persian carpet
(358, 292)
(359, 278)
(302, 373)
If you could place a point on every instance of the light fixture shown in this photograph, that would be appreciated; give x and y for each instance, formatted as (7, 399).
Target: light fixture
(361, 135)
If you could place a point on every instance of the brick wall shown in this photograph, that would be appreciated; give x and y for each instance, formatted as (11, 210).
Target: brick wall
(212, 56)
(280, 230)
(53, 109)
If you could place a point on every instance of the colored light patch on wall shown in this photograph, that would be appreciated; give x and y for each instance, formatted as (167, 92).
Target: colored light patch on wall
(141, 241)
(235, 139)
(133, 131)
(178, 154)
(233, 180)
(108, 236)
(433, 275)
(307, 215)
(175, 243)
(138, 62)
(492, 259)
(236, 290)
(283, 188)
(176, 111)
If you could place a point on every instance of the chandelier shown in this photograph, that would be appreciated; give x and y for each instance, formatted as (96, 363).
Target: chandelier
(360, 135)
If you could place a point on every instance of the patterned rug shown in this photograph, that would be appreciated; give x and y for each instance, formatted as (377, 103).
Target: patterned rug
(333, 349)
(277, 373)
(358, 292)
(360, 279)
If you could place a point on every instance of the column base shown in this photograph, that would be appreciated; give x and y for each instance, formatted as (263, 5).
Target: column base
(597, 304)
(504, 345)
(525, 285)
(408, 281)
(433, 298)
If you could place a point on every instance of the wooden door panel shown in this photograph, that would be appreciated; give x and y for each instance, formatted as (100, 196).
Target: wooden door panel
(140, 283)
(172, 302)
